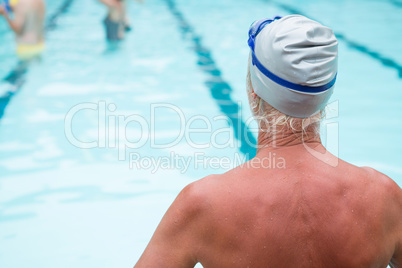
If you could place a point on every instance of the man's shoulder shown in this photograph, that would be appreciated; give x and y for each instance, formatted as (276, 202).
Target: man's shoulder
(381, 180)
(196, 195)
(211, 191)
(191, 208)
(385, 187)
(198, 191)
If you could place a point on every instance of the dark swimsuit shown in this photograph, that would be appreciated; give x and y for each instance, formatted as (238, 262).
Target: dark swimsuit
(112, 29)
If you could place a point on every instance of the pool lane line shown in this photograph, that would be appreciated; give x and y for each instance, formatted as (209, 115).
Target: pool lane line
(52, 21)
(219, 88)
(16, 77)
(387, 62)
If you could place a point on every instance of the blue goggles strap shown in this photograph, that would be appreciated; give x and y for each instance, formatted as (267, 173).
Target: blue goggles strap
(255, 29)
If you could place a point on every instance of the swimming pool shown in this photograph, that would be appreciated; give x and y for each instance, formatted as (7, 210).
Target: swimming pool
(183, 66)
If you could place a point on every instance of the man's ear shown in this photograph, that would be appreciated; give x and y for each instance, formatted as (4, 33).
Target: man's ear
(252, 93)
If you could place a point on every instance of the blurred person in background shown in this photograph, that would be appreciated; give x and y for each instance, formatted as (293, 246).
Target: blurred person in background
(26, 19)
(116, 21)
(27, 23)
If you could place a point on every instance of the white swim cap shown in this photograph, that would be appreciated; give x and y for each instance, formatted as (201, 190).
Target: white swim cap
(293, 64)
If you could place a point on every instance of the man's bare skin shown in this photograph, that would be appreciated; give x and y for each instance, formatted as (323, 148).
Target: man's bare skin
(309, 214)
(28, 21)
(294, 204)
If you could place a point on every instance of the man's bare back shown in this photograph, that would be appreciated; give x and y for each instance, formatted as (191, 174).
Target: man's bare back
(294, 204)
(308, 214)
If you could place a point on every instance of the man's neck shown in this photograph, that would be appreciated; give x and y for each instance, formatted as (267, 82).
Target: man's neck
(285, 137)
(288, 143)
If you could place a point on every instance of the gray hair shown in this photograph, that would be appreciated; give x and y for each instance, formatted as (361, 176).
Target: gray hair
(271, 120)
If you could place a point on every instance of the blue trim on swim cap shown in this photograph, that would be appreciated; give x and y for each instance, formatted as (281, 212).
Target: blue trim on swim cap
(290, 85)
(255, 29)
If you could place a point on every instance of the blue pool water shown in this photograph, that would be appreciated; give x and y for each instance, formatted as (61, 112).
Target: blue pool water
(78, 187)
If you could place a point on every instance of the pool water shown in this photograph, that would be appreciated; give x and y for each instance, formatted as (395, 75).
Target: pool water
(80, 140)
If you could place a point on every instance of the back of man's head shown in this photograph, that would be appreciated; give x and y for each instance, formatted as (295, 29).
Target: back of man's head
(292, 65)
